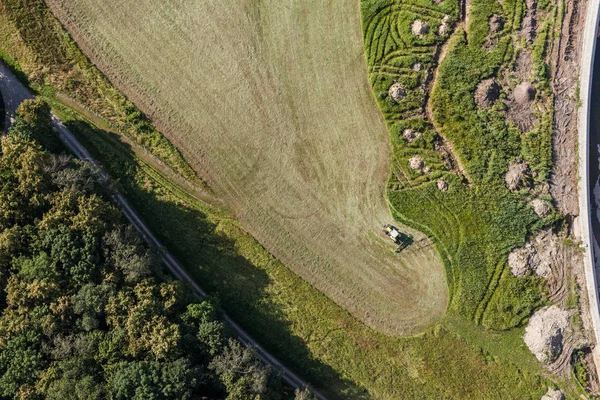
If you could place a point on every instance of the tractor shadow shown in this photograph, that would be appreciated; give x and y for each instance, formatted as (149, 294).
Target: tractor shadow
(209, 250)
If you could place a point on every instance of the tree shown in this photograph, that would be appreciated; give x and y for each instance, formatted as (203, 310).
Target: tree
(243, 376)
(303, 394)
(20, 362)
(124, 251)
(34, 122)
(208, 331)
(153, 380)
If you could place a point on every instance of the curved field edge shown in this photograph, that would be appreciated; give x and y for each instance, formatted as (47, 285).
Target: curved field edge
(334, 351)
(308, 184)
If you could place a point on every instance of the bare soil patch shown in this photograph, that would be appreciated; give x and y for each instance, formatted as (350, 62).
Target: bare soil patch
(518, 176)
(487, 92)
(544, 333)
(529, 24)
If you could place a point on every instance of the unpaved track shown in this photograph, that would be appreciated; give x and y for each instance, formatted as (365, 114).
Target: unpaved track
(13, 93)
(269, 101)
(590, 246)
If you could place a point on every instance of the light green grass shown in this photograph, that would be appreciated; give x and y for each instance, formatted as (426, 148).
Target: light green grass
(271, 104)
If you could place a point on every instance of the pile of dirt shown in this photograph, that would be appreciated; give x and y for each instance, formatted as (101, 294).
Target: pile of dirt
(487, 92)
(442, 185)
(396, 91)
(553, 394)
(524, 93)
(416, 163)
(410, 135)
(496, 23)
(417, 67)
(517, 176)
(538, 255)
(544, 333)
(541, 208)
(444, 28)
(519, 105)
(549, 256)
(419, 28)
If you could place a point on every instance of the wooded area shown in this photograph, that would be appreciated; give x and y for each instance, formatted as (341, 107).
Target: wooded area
(87, 310)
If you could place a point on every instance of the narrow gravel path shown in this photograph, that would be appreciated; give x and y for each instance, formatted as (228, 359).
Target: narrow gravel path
(14, 93)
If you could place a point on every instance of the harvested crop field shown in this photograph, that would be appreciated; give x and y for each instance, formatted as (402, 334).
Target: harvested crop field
(270, 102)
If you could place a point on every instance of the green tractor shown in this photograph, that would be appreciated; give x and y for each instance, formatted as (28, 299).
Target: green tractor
(401, 239)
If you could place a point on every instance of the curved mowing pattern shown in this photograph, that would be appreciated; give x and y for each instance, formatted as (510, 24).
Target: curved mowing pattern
(477, 221)
(269, 101)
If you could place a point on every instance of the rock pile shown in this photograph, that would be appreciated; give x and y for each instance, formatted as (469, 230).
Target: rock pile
(419, 28)
(444, 28)
(410, 135)
(541, 208)
(487, 92)
(396, 91)
(416, 163)
(553, 394)
(524, 93)
(517, 176)
(442, 185)
(544, 333)
(537, 255)
(496, 23)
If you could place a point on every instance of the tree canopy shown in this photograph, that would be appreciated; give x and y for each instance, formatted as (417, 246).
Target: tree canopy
(87, 310)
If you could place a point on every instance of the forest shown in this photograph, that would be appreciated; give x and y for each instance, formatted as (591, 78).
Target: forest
(88, 311)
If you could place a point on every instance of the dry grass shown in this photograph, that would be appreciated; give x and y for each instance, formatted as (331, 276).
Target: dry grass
(270, 102)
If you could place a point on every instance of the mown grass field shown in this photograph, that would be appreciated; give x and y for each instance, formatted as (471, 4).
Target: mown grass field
(270, 103)
(305, 329)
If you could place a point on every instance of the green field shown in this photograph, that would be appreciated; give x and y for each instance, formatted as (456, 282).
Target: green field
(275, 113)
(474, 224)
(306, 330)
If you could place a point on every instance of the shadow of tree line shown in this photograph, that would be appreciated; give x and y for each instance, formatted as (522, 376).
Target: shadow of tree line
(238, 286)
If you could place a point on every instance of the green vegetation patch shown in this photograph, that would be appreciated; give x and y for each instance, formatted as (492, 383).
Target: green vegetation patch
(88, 311)
(476, 221)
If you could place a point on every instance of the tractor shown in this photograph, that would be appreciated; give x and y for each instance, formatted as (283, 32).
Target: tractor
(401, 239)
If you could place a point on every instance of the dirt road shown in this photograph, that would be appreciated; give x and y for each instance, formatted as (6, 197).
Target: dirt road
(14, 93)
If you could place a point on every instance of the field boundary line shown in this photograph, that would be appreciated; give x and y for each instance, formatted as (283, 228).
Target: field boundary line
(583, 128)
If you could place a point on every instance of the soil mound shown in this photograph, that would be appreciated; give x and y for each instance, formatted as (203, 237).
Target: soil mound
(397, 92)
(553, 394)
(487, 92)
(496, 23)
(444, 28)
(416, 163)
(541, 208)
(537, 256)
(419, 28)
(442, 185)
(517, 176)
(524, 93)
(410, 135)
(544, 333)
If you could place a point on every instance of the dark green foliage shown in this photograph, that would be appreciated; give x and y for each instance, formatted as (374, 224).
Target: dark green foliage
(153, 380)
(33, 122)
(87, 311)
